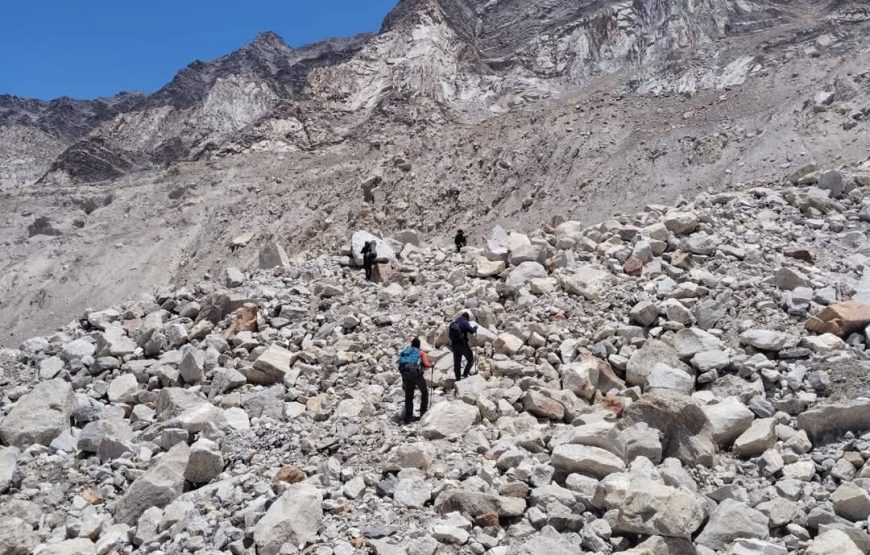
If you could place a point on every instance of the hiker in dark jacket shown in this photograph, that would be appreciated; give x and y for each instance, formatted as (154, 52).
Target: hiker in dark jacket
(460, 240)
(370, 255)
(459, 331)
(412, 362)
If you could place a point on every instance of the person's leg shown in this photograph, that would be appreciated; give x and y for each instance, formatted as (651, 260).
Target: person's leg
(424, 394)
(457, 361)
(368, 267)
(409, 386)
(469, 356)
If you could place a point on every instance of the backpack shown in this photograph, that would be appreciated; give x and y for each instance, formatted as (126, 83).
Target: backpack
(457, 336)
(409, 361)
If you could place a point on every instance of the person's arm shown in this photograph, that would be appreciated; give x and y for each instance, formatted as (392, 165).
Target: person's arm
(424, 360)
(468, 327)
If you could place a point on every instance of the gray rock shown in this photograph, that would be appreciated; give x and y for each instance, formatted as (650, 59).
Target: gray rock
(687, 434)
(730, 418)
(16, 537)
(758, 438)
(234, 277)
(39, 416)
(272, 256)
(730, 521)
(644, 313)
(412, 492)
(644, 360)
(835, 418)
(789, 279)
(449, 419)
(526, 272)
(663, 377)
(123, 389)
(765, 340)
(585, 459)
(8, 466)
(833, 542)
(157, 487)
(205, 463)
(293, 518)
(851, 502)
(476, 504)
(272, 366)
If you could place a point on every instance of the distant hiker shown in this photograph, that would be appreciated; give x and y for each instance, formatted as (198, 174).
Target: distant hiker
(459, 331)
(460, 240)
(412, 361)
(370, 255)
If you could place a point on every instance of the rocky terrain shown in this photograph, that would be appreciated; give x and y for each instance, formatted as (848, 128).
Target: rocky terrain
(674, 331)
(457, 114)
(686, 379)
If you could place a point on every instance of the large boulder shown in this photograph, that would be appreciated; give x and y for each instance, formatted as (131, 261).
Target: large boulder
(765, 340)
(271, 366)
(475, 504)
(449, 419)
(484, 267)
(691, 341)
(647, 357)
(835, 418)
(645, 506)
(16, 537)
(758, 438)
(383, 249)
(528, 253)
(833, 542)
(588, 282)
(585, 459)
(851, 502)
(841, 319)
(732, 520)
(205, 463)
(663, 377)
(39, 416)
(114, 342)
(687, 434)
(294, 518)
(581, 378)
(8, 465)
(681, 223)
(526, 272)
(157, 487)
(729, 418)
(123, 389)
(789, 279)
(272, 256)
(497, 244)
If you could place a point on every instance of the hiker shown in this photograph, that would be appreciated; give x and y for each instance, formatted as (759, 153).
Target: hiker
(370, 255)
(412, 362)
(460, 240)
(459, 331)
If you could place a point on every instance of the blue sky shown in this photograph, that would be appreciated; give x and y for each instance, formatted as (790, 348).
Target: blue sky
(90, 48)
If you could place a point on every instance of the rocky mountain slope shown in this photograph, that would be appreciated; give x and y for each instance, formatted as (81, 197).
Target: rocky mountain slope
(685, 379)
(457, 114)
(434, 61)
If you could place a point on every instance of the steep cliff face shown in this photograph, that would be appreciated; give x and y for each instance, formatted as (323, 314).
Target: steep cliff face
(433, 62)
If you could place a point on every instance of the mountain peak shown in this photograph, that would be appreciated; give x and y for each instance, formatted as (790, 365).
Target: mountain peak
(269, 39)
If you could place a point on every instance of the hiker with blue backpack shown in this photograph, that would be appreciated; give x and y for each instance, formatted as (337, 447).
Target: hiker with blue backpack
(412, 362)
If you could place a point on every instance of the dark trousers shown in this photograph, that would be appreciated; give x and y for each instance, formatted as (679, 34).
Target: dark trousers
(462, 350)
(410, 383)
(369, 266)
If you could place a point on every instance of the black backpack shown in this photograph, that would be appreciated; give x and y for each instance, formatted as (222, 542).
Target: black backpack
(457, 336)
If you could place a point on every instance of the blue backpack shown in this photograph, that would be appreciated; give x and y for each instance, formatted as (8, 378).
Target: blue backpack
(409, 361)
